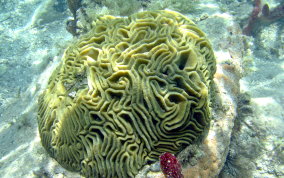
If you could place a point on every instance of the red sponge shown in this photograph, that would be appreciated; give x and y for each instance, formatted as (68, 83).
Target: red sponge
(170, 166)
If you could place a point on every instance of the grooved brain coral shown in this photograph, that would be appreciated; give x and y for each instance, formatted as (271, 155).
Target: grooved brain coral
(126, 92)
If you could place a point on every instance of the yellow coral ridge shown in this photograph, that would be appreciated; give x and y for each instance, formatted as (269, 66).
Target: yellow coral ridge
(129, 90)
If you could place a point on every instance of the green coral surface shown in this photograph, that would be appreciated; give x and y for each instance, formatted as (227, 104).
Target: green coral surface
(126, 92)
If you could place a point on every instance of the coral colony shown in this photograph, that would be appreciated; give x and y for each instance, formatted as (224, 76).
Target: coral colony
(261, 14)
(126, 92)
(170, 166)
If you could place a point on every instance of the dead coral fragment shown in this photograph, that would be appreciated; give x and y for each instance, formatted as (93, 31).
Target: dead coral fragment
(71, 25)
(73, 6)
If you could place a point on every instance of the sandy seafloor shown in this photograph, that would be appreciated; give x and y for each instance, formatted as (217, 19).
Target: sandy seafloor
(33, 38)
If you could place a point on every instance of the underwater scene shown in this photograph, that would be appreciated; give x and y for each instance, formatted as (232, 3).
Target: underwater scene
(142, 88)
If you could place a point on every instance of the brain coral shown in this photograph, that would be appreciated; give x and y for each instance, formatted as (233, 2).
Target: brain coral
(126, 92)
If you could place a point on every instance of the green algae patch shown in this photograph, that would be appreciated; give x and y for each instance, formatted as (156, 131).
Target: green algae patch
(126, 92)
